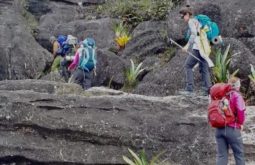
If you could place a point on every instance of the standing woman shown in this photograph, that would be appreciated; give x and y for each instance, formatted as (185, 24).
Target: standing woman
(230, 136)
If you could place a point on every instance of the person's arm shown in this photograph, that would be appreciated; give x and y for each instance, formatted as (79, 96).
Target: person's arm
(75, 61)
(193, 24)
(240, 109)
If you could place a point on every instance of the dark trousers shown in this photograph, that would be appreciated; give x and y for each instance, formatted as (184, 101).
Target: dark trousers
(82, 78)
(229, 137)
(203, 68)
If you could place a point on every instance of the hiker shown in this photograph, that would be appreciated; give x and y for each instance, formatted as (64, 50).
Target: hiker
(71, 44)
(195, 45)
(84, 63)
(230, 135)
(57, 51)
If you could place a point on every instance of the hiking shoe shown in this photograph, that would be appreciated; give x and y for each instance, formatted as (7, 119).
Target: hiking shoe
(202, 93)
(186, 93)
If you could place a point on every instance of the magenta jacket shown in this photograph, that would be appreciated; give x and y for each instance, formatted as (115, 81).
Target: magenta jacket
(75, 61)
(237, 105)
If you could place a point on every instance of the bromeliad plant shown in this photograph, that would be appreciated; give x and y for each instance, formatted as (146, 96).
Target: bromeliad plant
(252, 75)
(131, 75)
(221, 69)
(122, 35)
(141, 159)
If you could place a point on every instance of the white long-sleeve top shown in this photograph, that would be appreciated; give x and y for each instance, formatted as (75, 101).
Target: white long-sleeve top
(194, 27)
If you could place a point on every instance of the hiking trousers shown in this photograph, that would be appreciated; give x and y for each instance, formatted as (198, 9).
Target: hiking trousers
(203, 69)
(82, 78)
(229, 137)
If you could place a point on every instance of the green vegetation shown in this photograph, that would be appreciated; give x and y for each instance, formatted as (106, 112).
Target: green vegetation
(122, 35)
(131, 75)
(29, 18)
(252, 75)
(141, 159)
(167, 55)
(221, 69)
(132, 12)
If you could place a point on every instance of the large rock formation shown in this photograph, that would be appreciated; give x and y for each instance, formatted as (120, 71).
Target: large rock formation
(21, 56)
(40, 122)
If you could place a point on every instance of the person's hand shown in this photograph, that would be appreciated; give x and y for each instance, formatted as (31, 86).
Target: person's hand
(241, 127)
(185, 48)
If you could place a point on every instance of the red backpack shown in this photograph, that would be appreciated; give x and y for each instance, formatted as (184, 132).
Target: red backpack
(219, 111)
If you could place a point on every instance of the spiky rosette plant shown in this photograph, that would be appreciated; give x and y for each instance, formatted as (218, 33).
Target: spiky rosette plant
(122, 35)
(141, 159)
(131, 75)
(221, 69)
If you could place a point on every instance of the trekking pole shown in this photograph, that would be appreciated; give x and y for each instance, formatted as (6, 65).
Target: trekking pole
(172, 41)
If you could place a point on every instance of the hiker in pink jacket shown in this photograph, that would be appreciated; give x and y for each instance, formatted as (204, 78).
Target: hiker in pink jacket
(230, 136)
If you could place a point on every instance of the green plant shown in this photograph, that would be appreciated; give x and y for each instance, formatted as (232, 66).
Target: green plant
(252, 75)
(122, 35)
(132, 12)
(141, 159)
(131, 75)
(221, 69)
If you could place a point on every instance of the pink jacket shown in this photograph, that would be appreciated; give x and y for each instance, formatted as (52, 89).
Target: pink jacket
(75, 61)
(237, 105)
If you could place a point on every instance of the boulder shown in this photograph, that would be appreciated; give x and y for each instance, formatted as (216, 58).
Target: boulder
(21, 56)
(167, 79)
(98, 129)
(147, 40)
(249, 43)
(100, 30)
(110, 69)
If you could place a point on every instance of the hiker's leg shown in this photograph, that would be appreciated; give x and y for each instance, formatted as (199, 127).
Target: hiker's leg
(78, 77)
(63, 69)
(56, 64)
(189, 64)
(88, 77)
(222, 147)
(236, 143)
(205, 72)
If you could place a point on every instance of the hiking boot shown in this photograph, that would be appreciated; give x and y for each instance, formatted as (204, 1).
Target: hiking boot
(202, 93)
(186, 93)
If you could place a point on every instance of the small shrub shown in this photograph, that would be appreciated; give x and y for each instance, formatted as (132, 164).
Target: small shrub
(122, 35)
(252, 75)
(131, 75)
(141, 159)
(132, 12)
(221, 69)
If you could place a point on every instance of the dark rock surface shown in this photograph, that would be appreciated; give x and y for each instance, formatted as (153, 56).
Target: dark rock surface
(21, 56)
(167, 79)
(43, 125)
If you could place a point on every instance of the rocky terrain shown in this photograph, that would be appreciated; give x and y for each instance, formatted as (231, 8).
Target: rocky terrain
(46, 121)
(52, 123)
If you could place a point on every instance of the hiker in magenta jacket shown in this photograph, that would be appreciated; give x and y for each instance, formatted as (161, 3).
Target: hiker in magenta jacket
(84, 63)
(75, 62)
(230, 136)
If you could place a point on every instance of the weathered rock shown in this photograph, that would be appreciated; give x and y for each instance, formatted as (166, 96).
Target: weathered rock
(167, 79)
(21, 56)
(100, 30)
(56, 129)
(110, 70)
(250, 43)
(53, 76)
(148, 40)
